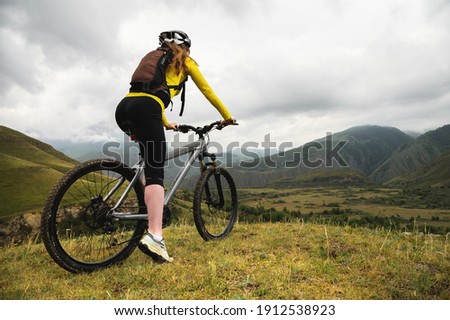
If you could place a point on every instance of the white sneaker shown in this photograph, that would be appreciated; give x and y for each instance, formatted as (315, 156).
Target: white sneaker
(154, 248)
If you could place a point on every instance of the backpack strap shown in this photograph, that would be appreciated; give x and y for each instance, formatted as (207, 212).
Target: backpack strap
(182, 88)
(183, 95)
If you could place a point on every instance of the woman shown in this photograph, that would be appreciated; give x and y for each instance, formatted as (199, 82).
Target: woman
(143, 113)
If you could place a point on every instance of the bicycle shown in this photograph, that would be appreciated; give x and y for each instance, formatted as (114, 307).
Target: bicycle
(95, 215)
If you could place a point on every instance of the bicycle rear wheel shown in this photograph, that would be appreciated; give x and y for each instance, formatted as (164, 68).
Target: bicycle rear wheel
(77, 228)
(215, 204)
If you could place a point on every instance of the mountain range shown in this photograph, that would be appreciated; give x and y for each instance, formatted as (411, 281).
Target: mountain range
(416, 154)
(356, 156)
(362, 154)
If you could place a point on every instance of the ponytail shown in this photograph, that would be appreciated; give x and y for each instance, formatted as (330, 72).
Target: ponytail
(180, 53)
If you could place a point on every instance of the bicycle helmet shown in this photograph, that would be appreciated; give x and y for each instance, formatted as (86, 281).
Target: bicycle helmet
(179, 37)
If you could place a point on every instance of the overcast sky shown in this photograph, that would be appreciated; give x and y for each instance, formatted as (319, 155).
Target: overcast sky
(296, 69)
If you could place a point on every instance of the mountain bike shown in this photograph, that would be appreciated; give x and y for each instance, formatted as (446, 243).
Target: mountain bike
(95, 215)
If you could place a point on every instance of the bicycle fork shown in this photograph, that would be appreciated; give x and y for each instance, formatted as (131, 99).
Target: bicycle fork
(209, 199)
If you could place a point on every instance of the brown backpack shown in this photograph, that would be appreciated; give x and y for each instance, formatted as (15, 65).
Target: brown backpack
(150, 74)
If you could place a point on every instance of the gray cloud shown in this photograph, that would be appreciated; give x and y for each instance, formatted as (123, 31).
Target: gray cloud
(323, 64)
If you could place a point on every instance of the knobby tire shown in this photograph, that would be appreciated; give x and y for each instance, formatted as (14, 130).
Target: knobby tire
(215, 204)
(76, 229)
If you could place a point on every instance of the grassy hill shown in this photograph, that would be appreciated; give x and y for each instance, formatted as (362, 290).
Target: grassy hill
(368, 146)
(414, 155)
(29, 170)
(257, 261)
(434, 174)
(321, 177)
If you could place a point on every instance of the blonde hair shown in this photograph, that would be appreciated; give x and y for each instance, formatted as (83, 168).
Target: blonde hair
(180, 53)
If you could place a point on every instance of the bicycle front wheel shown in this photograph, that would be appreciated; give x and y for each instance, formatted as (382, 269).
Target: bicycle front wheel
(77, 228)
(215, 204)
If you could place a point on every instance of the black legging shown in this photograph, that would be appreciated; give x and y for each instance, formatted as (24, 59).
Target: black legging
(143, 115)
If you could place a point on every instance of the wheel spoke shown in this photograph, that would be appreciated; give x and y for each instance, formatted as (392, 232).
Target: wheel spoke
(78, 229)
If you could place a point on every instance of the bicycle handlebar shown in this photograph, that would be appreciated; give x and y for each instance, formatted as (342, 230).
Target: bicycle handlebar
(185, 128)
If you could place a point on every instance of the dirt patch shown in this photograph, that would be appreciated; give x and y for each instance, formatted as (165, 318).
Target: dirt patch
(18, 229)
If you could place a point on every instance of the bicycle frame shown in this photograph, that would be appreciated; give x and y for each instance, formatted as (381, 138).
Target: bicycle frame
(195, 148)
(96, 213)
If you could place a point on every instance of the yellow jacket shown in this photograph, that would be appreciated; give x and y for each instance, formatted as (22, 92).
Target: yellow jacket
(174, 79)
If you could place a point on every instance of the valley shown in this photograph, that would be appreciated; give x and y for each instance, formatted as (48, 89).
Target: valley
(404, 210)
(380, 177)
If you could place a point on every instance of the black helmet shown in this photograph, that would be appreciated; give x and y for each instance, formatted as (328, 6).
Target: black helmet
(179, 37)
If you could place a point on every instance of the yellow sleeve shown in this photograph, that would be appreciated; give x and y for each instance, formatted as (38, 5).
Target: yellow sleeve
(164, 120)
(204, 88)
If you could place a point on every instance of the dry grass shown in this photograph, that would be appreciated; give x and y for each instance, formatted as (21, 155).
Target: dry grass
(257, 261)
(370, 201)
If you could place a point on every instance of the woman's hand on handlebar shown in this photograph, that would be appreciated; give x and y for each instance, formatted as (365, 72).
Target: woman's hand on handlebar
(229, 121)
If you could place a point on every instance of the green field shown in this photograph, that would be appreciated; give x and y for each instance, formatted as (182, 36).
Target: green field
(426, 210)
(257, 261)
(299, 243)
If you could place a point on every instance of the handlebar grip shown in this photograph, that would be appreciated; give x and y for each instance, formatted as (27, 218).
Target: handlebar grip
(184, 128)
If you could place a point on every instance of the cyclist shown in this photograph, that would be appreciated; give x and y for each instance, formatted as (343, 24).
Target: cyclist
(143, 113)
